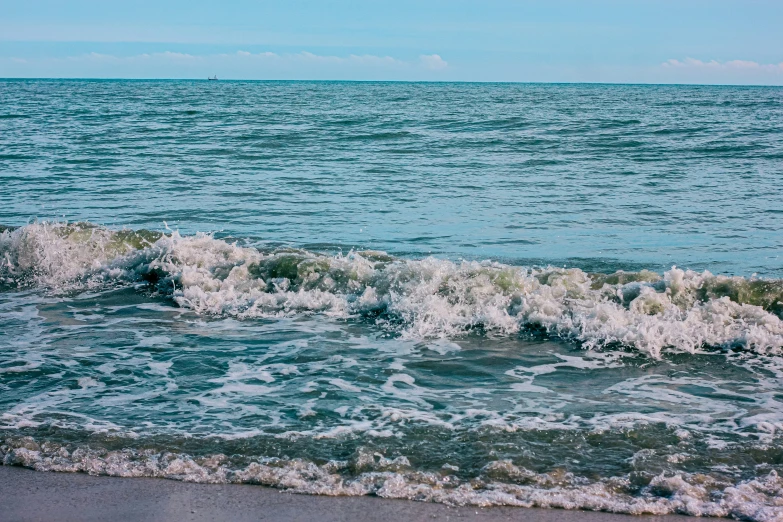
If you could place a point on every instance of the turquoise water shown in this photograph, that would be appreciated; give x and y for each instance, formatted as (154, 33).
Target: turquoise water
(553, 295)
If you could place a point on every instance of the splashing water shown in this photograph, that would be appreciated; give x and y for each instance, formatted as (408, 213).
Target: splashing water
(681, 310)
(440, 292)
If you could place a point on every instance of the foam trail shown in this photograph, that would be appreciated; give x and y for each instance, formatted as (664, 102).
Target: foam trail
(681, 310)
(367, 473)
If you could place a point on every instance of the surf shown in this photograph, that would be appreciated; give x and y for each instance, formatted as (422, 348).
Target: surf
(679, 310)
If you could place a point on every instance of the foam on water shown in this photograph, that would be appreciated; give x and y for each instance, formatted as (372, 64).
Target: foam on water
(188, 356)
(681, 310)
(369, 473)
(132, 353)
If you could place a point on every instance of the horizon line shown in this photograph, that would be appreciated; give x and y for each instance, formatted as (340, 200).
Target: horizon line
(651, 84)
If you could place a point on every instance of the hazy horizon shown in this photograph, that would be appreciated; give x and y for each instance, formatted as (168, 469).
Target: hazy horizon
(314, 80)
(725, 42)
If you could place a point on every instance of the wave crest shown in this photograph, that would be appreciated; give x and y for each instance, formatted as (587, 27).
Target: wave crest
(680, 310)
(500, 483)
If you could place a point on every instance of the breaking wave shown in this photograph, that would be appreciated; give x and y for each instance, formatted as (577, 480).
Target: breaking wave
(370, 473)
(680, 310)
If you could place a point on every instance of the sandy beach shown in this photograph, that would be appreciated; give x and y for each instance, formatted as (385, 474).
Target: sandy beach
(33, 496)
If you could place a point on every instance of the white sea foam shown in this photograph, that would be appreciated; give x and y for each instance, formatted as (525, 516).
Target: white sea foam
(500, 482)
(427, 298)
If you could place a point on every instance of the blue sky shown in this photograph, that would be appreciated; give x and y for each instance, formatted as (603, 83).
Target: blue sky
(645, 41)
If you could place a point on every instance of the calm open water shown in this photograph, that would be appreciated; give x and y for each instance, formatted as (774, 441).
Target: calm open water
(552, 295)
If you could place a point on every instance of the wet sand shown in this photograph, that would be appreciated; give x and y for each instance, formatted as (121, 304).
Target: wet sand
(27, 495)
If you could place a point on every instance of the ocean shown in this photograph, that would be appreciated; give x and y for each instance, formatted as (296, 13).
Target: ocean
(564, 296)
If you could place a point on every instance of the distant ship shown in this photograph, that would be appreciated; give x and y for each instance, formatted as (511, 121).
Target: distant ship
(213, 78)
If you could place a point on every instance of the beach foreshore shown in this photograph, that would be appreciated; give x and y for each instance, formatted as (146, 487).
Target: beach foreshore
(36, 496)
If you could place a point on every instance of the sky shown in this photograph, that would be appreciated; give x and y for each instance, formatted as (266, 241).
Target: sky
(612, 41)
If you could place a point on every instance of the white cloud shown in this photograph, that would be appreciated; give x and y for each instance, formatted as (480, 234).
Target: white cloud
(433, 62)
(236, 64)
(364, 60)
(166, 56)
(94, 57)
(732, 65)
(372, 60)
(251, 55)
(175, 56)
(353, 59)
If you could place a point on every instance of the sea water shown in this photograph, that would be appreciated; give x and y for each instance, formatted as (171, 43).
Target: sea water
(485, 294)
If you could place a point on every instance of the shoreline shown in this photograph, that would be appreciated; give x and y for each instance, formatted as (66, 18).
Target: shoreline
(29, 495)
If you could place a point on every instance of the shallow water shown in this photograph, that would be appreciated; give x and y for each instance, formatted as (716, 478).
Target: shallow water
(447, 292)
